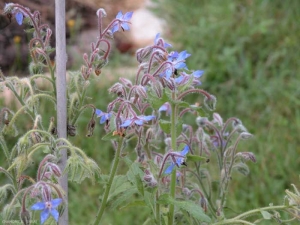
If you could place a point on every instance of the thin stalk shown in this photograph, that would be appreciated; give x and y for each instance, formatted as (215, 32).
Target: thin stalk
(157, 208)
(109, 183)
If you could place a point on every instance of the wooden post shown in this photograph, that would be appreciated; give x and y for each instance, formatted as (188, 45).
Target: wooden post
(61, 86)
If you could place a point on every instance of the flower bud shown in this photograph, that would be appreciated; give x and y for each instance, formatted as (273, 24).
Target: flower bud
(25, 217)
(187, 192)
(91, 127)
(143, 53)
(246, 156)
(126, 82)
(101, 12)
(203, 203)
(201, 121)
(71, 130)
(55, 169)
(35, 68)
(246, 135)
(210, 102)
(218, 119)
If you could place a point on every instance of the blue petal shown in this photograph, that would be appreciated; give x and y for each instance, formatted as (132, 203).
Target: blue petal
(102, 120)
(19, 18)
(125, 26)
(55, 214)
(168, 73)
(119, 15)
(148, 118)
(98, 112)
(128, 16)
(38, 206)
(56, 202)
(170, 169)
(115, 28)
(126, 123)
(180, 65)
(44, 215)
(198, 73)
(164, 107)
(156, 38)
(139, 122)
(185, 150)
(179, 79)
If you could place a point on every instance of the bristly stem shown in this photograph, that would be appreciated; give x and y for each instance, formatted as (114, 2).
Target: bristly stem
(109, 183)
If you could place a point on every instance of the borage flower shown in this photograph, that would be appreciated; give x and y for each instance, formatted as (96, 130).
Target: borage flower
(138, 120)
(178, 62)
(178, 161)
(48, 208)
(103, 116)
(122, 21)
(184, 77)
(158, 40)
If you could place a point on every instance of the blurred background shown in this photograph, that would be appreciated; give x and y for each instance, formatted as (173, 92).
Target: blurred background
(250, 52)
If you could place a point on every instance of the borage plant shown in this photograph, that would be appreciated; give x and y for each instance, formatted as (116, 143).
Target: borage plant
(181, 172)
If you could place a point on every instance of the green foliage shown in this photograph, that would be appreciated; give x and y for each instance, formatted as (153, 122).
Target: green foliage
(248, 52)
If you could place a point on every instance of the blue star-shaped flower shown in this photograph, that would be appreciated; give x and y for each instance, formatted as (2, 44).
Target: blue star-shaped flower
(48, 208)
(184, 77)
(122, 22)
(138, 120)
(178, 62)
(179, 160)
(103, 115)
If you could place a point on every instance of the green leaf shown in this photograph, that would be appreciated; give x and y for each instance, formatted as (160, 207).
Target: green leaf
(156, 102)
(119, 185)
(266, 215)
(136, 203)
(193, 209)
(123, 197)
(165, 126)
(195, 158)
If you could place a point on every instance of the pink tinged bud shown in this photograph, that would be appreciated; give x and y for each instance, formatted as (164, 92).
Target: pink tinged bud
(86, 58)
(55, 169)
(141, 91)
(49, 32)
(46, 193)
(218, 119)
(126, 82)
(40, 51)
(47, 175)
(247, 156)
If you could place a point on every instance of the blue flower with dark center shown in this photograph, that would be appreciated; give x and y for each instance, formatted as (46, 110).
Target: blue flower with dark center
(138, 120)
(178, 62)
(179, 160)
(48, 208)
(123, 21)
(103, 116)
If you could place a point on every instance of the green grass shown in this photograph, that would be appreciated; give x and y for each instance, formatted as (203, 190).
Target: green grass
(249, 50)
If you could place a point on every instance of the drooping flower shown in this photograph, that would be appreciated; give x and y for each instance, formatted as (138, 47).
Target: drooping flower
(19, 17)
(48, 207)
(179, 160)
(122, 22)
(184, 77)
(138, 120)
(158, 40)
(103, 116)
